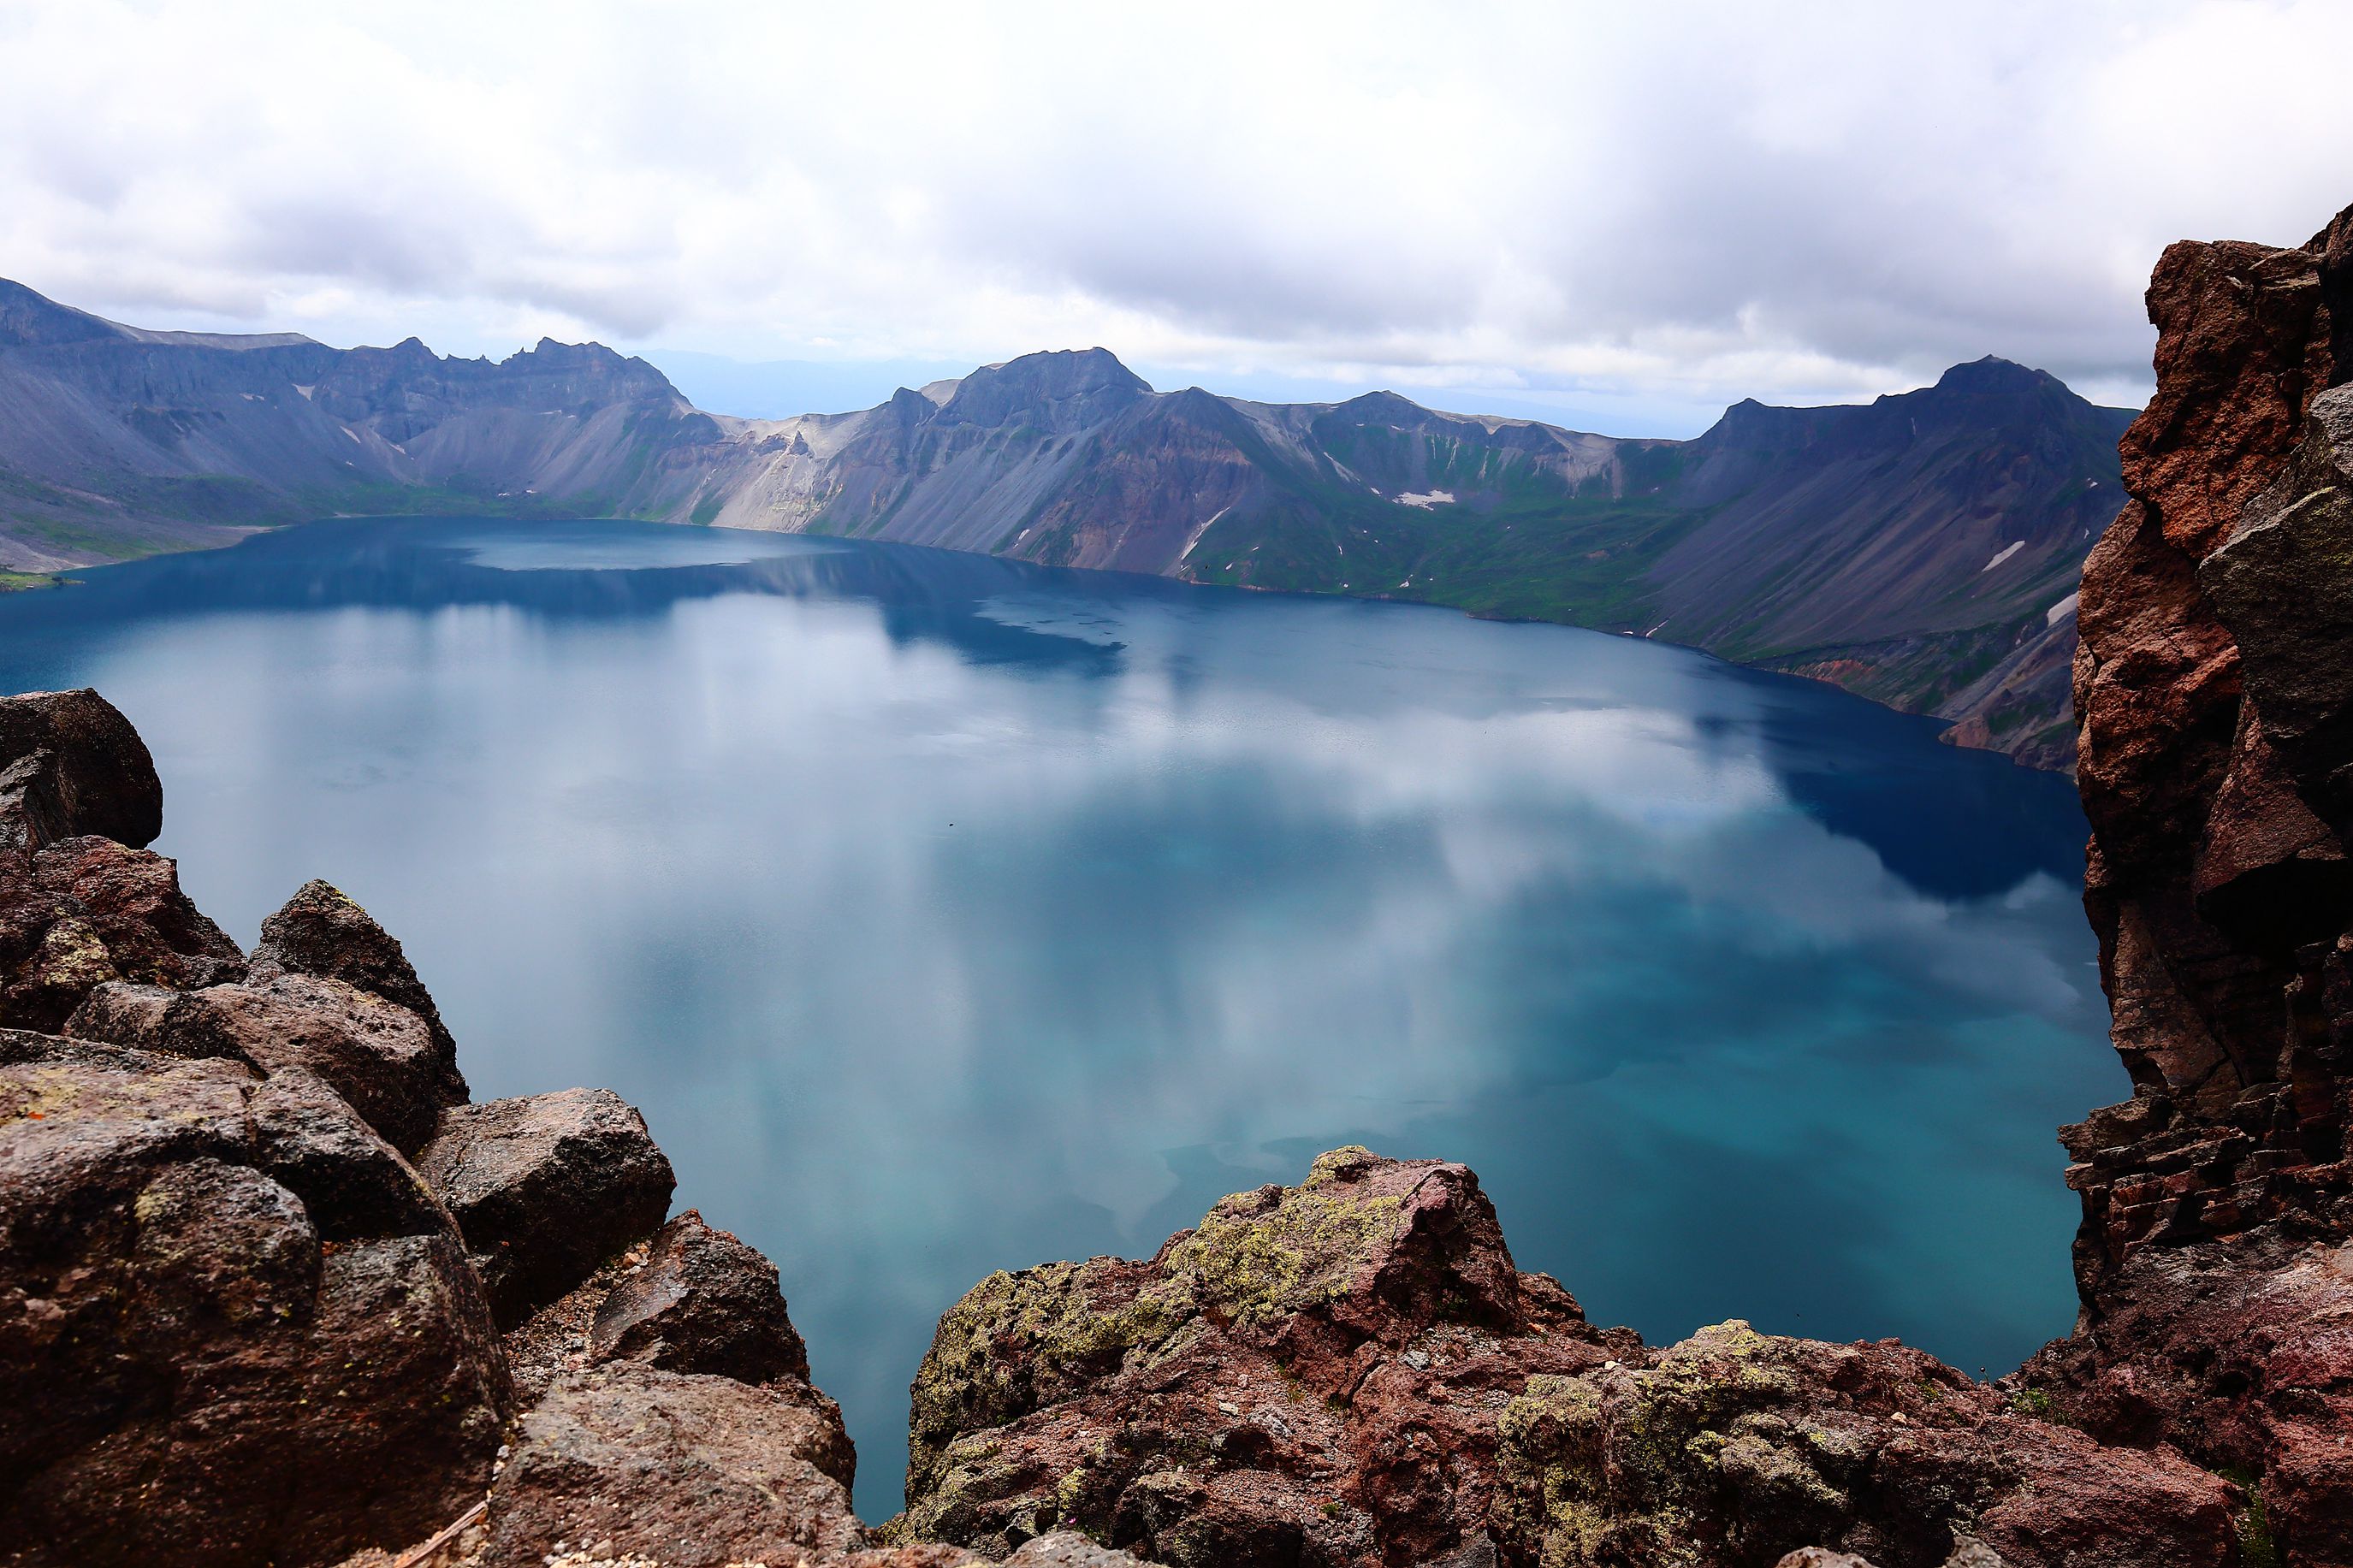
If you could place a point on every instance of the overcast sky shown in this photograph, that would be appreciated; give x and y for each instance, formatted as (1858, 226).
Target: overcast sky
(1633, 212)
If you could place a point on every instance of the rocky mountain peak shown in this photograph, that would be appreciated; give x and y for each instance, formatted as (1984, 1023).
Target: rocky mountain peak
(1997, 376)
(1063, 390)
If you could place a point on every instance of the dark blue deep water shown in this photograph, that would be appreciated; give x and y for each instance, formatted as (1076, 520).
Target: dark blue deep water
(945, 914)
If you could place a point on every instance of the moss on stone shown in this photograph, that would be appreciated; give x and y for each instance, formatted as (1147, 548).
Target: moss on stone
(1551, 1470)
(1257, 1260)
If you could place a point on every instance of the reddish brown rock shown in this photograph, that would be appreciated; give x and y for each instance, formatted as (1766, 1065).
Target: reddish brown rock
(320, 931)
(1314, 1374)
(546, 1188)
(86, 911)
(379, 1056)
(2215, 693)
(693, 1472)
(192, 1367)
(71, 764)
(79, 904)
(701, 1302)
(1353, 1373)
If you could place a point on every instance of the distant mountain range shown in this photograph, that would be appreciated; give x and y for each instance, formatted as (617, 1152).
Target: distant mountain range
(1922, 549)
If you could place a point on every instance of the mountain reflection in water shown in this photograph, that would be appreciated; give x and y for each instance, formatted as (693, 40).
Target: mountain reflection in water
(947, 914)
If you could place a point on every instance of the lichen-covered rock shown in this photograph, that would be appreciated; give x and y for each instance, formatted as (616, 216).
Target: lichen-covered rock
(1352, 1372)
(546, 1187)
(377, 1055)
(234, 1328)
(701, 1302)
(1068, 1549)
(152, 930)
(1734, 1446)
(320, 931)
(1313, 1375)
(690, 1471)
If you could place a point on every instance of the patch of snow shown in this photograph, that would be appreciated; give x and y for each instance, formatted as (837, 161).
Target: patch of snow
(2061, 611)
(1196, 532)
(2005, 555)
(1427, 499)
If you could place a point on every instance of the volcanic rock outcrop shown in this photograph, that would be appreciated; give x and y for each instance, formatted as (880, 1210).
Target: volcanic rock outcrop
(1352, 1371)
(257, 1250)
(2215, 1261)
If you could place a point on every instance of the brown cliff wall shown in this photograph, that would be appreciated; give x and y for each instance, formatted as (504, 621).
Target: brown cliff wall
(2215, 690)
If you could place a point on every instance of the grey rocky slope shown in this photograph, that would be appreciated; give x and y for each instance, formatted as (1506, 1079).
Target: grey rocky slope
(1921, 550)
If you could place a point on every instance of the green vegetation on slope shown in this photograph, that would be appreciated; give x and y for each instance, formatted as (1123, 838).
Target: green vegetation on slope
(1527, 549)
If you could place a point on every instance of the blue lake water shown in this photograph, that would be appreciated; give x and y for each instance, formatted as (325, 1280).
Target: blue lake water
(944, 914)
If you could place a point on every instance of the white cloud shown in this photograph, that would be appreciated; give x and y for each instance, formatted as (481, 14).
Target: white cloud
(1678, 202)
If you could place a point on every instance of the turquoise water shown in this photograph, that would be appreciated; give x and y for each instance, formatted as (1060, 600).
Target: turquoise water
(945, 914)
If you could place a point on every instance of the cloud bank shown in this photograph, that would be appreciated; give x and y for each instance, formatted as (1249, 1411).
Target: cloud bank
(1666, 205)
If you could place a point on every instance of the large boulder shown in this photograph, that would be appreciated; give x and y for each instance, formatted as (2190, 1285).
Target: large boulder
(701, 1302)
(546, 1188)
(689, 1471)
(379, 1056)
(71, 764)
(320, 931)
(1312, 1374)
(235, 1328)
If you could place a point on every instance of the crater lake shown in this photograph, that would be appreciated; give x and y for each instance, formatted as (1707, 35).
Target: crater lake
(944, 914)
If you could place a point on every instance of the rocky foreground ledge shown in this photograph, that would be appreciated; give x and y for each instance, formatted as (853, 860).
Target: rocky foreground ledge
(273, 1291)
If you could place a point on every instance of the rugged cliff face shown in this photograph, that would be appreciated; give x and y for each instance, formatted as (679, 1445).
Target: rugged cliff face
(2215, 691)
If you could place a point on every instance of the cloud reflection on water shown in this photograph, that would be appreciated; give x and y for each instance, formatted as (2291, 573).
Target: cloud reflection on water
(947, 915)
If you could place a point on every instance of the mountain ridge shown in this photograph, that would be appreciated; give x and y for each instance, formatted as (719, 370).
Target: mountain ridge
(1919, 550)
